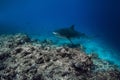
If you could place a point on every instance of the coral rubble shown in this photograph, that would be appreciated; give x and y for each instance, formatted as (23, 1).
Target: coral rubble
(22, 58)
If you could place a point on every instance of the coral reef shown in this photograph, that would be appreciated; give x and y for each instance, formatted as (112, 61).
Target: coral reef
(22, 58)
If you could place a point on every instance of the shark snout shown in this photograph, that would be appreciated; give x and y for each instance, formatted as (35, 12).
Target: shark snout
(54, 33)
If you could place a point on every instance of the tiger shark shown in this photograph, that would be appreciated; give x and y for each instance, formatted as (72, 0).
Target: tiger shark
(68, 33)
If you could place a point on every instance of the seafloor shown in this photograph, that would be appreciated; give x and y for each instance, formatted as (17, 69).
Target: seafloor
(23, 58)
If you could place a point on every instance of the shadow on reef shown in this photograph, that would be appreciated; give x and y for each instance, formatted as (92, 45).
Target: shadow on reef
(22, 58)
(73, 45)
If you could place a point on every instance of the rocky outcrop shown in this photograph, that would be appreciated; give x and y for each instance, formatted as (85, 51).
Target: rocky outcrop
(24, 59)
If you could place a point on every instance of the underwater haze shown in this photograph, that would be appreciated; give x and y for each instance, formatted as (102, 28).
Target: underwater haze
(39, 18)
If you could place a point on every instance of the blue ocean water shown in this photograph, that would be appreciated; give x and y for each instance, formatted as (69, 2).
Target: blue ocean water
(39, 18)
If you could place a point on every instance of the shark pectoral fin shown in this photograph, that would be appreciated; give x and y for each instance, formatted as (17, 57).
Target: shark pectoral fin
(70, 41)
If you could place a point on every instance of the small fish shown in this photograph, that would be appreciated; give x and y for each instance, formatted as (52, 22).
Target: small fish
(68, 33)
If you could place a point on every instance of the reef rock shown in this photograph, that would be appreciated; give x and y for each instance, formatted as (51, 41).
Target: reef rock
(23, 59)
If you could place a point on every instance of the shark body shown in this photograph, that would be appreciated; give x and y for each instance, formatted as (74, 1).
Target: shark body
(68, 33)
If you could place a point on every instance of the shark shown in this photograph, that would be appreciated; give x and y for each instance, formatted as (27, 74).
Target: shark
(68, 33)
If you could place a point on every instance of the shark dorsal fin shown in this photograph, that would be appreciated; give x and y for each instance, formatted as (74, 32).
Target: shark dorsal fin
(72, 27)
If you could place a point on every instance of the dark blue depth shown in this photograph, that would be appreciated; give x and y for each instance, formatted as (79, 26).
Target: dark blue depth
(40, 17)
